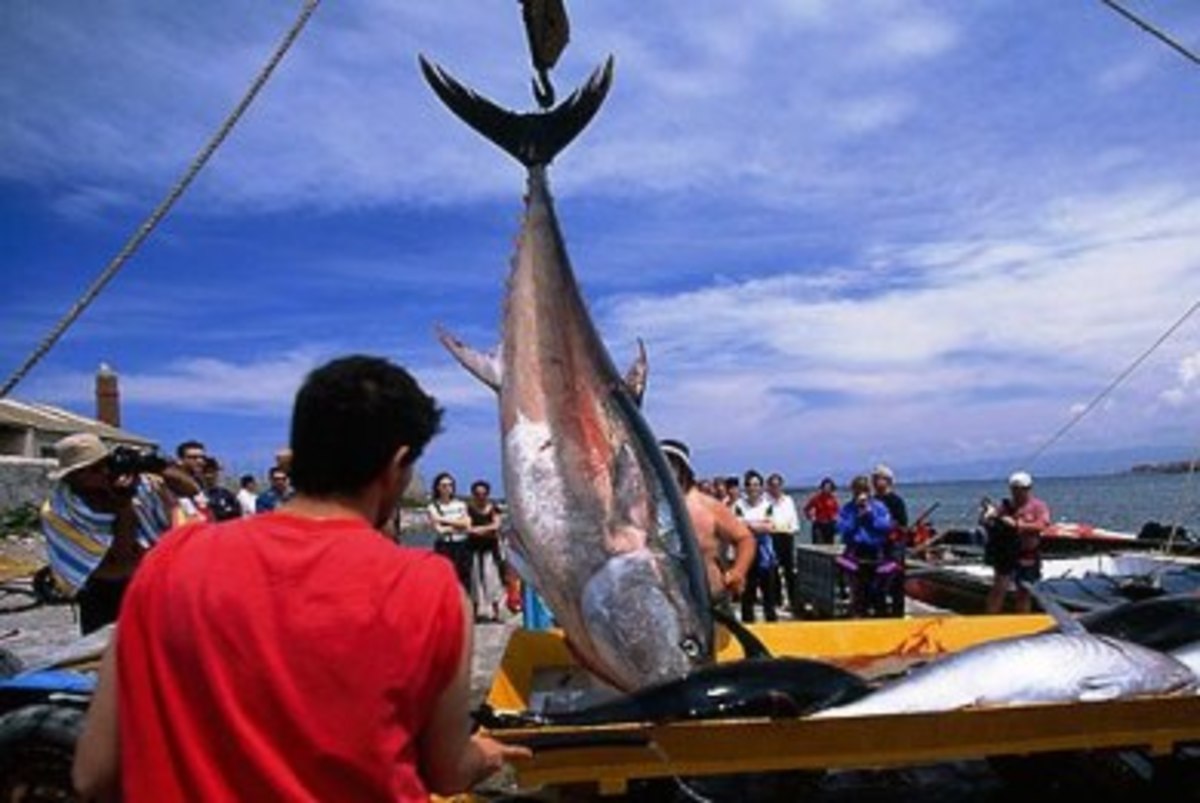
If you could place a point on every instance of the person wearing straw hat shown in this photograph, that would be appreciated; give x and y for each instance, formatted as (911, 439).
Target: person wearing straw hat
(98, 520)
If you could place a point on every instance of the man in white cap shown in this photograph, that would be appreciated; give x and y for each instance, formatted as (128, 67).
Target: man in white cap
(1013, 547)
(715, 526)
(98, 520)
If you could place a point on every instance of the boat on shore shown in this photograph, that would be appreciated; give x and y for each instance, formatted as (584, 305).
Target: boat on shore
(1080, 582)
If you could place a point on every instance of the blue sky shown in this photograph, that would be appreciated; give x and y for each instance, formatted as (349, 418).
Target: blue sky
(919, 232)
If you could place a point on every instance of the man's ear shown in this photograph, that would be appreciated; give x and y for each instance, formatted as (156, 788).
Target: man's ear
(403, 471)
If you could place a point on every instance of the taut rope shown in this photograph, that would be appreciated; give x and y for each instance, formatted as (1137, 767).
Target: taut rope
(161, 210)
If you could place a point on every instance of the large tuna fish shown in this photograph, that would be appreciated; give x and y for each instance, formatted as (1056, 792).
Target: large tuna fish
(599, 523)
(1067, 665)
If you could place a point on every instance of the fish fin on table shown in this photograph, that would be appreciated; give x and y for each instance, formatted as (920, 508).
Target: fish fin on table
(751, 645)
(1062, 618)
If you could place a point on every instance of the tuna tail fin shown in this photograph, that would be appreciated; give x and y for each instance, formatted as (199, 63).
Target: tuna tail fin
(531, 138)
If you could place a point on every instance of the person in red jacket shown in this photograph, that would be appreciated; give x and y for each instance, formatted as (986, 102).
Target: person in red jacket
(822, 510)
(298, 654)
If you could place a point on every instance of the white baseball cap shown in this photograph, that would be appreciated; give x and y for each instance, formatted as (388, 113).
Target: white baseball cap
(1020, 479)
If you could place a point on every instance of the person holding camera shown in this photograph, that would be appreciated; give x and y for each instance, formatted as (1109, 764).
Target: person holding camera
(104, 511)
(865, 525)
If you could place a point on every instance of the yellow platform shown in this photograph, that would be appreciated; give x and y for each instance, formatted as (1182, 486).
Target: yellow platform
(611, 756)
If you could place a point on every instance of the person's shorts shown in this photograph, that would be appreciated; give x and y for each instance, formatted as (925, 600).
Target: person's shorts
(1028, 573)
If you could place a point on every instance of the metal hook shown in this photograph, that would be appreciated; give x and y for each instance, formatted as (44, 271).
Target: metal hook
(543, 90)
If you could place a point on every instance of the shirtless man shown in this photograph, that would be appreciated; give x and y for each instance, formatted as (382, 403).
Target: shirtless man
(715, 526)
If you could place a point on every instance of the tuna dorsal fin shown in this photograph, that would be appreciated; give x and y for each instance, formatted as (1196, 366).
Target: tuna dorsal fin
(635, 377)
(484, 367)
(1067, 623)
(533, 138)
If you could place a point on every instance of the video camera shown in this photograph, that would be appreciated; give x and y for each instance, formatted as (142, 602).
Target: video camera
(124, 461)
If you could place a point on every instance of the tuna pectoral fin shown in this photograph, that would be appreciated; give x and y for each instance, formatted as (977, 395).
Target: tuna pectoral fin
(1100, 689)
(484, 367)
(532, 139)
(751, 646)
(635, 377)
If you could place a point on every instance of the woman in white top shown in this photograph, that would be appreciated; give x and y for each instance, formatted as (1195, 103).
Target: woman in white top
(756, 510)
(786, 523)
(450, 524)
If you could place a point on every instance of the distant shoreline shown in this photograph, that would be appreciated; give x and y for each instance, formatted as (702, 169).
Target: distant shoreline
(1170, 467)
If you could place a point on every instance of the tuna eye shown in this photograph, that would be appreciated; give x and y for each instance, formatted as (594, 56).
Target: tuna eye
(690, 647)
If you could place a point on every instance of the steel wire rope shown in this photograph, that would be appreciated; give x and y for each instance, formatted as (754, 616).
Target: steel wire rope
(1113, 385)
(160, 211)
(1150, 29)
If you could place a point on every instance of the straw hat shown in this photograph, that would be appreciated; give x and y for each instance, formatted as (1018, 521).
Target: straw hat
(77, 451)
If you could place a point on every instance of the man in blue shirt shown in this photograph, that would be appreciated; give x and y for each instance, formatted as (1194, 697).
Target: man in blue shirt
(280, 491)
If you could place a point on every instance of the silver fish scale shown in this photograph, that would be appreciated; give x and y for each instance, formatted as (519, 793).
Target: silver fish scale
(1043, 668)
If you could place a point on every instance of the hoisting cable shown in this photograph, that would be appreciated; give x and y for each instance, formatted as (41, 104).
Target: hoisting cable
(165, 205)
(1121, 377)
(1150, 29)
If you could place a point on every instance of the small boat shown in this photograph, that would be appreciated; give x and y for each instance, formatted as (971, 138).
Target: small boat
(1079, 583)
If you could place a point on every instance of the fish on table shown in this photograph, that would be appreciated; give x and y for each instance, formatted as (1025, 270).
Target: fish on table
(780, 687)
(1065, 665)
(598, 522)
(1170, 623)
(1162, 623)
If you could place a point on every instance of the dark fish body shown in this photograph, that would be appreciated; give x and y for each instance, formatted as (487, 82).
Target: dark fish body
(599, 525)
(1050, 667)
(1161, 623)
(754, 687)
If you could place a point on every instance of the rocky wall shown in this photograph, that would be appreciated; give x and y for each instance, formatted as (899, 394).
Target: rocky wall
(23, 479)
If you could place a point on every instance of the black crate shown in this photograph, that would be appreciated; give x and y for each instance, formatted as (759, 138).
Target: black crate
(819, 587)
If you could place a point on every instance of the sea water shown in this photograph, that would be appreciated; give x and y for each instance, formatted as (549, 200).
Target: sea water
(1121, 502)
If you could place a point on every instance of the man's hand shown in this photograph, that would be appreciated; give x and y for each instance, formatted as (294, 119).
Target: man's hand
(493, 754)
(734, 581)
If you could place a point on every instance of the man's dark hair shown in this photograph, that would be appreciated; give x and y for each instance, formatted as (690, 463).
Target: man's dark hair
(186, 445)
(350, 417)
(247, 480)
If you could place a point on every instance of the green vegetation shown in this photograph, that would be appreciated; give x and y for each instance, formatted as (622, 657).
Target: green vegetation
(18, 521)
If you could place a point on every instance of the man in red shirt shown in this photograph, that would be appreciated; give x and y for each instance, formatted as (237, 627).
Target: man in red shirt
(298, 655)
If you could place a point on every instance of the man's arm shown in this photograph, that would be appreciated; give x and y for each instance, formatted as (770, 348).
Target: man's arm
(451, 759)
(96, 772)
(733, 531)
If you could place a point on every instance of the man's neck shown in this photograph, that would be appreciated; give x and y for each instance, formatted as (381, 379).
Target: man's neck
(312, 507)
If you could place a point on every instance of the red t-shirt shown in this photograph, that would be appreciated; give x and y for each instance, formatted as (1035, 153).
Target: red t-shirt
(281, 658)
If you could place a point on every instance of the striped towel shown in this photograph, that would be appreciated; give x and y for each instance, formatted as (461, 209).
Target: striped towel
(77, 536)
